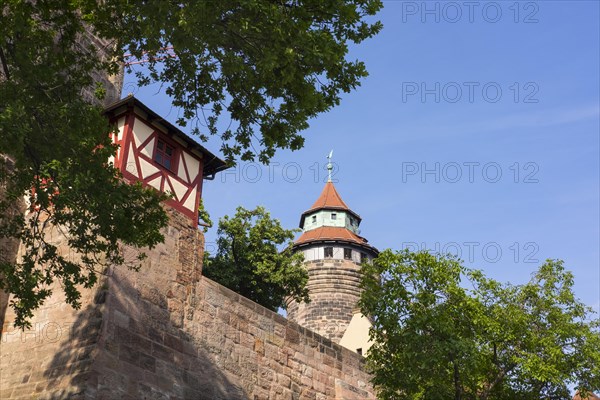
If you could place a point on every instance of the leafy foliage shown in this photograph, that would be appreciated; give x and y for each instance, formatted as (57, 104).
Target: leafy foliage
(204, 217)
(248, 260)
(59, 145)
(437, 337)
(269, 66)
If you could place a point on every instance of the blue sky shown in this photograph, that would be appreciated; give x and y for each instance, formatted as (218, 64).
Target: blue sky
(477, 132)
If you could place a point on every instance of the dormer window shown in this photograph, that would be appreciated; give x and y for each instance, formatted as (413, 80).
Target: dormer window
(164, 154)
(333, 216)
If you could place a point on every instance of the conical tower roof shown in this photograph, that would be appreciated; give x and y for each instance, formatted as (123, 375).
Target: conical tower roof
(329, 199)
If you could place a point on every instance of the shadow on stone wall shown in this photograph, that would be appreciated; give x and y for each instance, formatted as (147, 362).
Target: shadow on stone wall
(125, 347)
(68, 373)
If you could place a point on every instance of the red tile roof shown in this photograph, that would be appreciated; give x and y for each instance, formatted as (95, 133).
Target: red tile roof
(327, 233)
(329, 198)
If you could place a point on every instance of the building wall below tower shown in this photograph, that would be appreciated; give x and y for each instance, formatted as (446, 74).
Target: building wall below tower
(317, 253)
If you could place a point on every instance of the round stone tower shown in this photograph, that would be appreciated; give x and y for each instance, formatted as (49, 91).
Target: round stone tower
(333, 251)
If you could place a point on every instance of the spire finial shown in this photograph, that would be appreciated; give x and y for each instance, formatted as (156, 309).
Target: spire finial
(329, 166)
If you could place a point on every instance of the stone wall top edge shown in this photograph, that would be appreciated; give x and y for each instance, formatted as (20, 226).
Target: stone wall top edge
(277, 318)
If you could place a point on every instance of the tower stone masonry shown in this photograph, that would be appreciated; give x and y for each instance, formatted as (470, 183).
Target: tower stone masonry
(333, 251)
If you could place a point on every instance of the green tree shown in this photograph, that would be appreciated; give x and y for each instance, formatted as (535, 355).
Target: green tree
(248, 260)
(252, 71)
(442, 331)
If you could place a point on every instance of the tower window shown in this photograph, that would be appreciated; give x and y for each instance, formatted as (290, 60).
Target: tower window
(348, 254)
(314, 219)
(363, 257)
(328, 252)
(164, 154)
(333, 216)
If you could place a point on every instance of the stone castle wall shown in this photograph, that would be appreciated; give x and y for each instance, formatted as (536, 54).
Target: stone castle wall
(334, 291)
(56, 352)
(166, 332)
(112, 84)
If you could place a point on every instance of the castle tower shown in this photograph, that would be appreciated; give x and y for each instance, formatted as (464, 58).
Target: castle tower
(333, 251)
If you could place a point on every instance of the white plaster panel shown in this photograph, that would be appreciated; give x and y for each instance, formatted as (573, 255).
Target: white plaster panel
(147, 168)
(141, 131)
(181, 170)
(155, 183)
(131, 165)
(120, 132)
(193, 165)
(180, 189)
(190, 203)
(148, 149)
(121, 128)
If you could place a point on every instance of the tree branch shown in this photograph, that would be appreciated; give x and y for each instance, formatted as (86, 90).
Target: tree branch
(4, 64)
(498, 379)
(457, 388)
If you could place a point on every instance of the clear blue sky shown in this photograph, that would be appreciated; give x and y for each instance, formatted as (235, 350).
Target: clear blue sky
(432, 103)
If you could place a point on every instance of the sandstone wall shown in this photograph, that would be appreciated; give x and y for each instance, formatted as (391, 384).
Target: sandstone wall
(51, 359)
(168, 333)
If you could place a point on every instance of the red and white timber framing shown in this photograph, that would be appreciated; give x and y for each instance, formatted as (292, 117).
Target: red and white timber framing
(137, 141)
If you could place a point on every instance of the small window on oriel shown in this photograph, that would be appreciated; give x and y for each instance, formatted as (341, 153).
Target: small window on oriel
(164, 154)
(328, 252)
(314, 219)
(333, 216)
(348, 254)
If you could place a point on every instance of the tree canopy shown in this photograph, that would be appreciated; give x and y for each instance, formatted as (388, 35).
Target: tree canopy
(249, 262)
(252, 72)
(442, 331)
